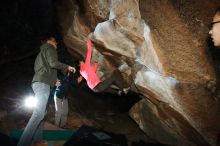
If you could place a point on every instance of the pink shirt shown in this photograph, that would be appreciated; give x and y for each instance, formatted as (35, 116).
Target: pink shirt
(87, 70)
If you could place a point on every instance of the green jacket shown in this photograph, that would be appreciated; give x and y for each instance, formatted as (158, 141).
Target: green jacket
(46, 65)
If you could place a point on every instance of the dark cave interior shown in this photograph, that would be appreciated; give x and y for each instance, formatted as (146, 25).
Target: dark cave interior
(24, 24)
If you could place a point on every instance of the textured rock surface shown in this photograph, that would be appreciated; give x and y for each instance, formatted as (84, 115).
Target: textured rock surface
(163, 44)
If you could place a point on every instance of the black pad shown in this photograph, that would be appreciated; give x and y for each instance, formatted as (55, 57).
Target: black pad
(5, 140)
(90, 136)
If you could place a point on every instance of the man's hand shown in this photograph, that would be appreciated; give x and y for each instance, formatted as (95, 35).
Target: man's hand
(79, 79)
(71, 69)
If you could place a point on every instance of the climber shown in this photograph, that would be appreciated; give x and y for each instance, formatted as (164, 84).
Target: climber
(93, 79)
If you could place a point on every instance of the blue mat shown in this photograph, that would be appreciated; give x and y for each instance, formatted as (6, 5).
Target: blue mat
(49, 135)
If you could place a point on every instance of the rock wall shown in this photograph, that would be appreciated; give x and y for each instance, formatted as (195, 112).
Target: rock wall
(162, 45)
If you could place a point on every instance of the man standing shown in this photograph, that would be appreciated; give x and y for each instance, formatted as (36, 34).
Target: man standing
(215, 28)
(63, 84)
(45, 67)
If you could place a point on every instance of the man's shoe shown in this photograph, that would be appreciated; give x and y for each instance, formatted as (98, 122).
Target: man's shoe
(43, 143)
(119, 92)
(125, 90)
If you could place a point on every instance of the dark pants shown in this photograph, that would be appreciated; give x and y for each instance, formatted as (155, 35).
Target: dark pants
(115, 78)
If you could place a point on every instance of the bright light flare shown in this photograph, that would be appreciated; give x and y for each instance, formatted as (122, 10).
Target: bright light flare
(30, 102)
